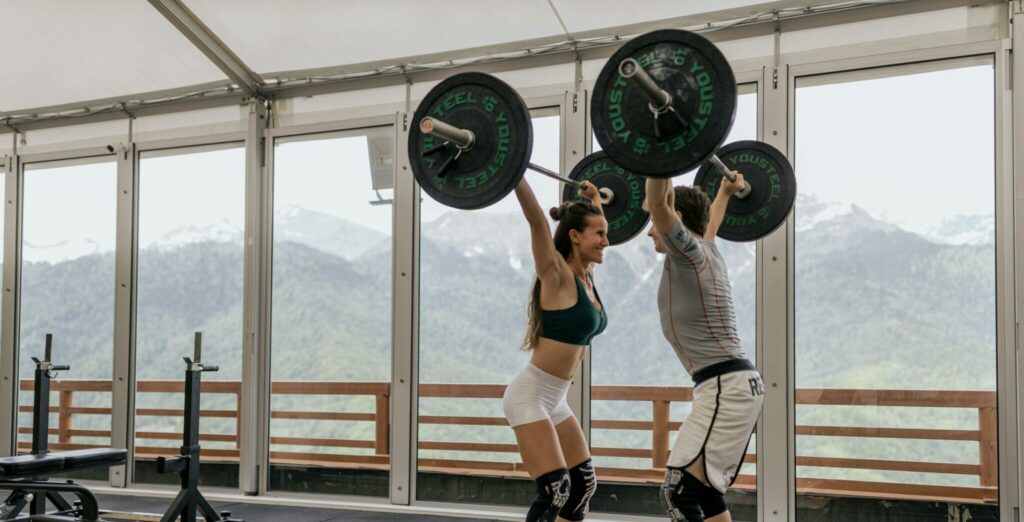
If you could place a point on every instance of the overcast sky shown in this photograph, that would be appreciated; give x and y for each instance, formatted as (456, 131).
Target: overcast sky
(911, 150)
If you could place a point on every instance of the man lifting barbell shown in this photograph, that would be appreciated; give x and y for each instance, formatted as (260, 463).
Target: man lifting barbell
(663, 104)
(697, 319)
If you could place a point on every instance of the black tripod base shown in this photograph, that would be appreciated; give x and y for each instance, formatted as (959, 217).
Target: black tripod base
(186, 505)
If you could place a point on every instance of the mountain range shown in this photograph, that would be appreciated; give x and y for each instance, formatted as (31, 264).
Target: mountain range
(877, 306)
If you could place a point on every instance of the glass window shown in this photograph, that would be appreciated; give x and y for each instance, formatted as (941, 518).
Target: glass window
(190, 277)
(476, 270)
(67, 289)
(632, 365)
(331, 313)
(895, 291)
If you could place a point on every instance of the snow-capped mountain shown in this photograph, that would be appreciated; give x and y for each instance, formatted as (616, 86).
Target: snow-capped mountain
(488, 235)
(483, 234)
(62, 250)
(296, 224)
(325, 232)
(812, 213)
(224, 231)
(963, 230)
(975, 229)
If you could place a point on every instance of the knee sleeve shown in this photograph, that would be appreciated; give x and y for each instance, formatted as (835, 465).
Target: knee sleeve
(552, 493)
(582, 485)
(712, 502)
(681, 493)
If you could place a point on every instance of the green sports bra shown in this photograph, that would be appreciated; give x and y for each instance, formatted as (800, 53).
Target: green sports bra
(577, 324)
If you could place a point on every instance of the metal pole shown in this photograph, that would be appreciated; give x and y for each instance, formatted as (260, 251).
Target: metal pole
(607, 194)
(554, 175)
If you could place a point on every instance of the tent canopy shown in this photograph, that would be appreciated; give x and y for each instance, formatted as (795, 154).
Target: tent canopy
(68, 54)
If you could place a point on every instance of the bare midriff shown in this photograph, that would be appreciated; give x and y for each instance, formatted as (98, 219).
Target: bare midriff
(557, 358)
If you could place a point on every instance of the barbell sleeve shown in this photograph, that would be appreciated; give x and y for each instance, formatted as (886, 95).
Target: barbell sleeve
(660, 98)
(462, 138)
(724, 170)
(631, 70)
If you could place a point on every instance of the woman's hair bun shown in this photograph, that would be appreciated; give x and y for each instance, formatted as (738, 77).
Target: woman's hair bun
(557, 213)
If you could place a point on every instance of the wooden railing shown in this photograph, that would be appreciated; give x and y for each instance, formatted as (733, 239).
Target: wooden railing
(659, 426)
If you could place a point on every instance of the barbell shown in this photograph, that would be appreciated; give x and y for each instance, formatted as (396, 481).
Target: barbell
(662, 105)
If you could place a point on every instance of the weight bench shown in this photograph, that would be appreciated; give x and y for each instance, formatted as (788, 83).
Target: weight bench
(26, 475)
(21, 474)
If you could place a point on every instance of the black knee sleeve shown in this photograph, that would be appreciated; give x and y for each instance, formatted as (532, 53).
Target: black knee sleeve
(683, 495)
(712, 502)
(552, 494)
(582, 485)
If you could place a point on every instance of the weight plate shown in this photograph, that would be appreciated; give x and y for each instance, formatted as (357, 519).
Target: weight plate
(772, 189)
(703, 90)
(490, 169)
(625, 215)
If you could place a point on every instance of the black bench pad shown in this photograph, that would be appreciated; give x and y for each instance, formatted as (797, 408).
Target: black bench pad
(28, 465)
(83, 458)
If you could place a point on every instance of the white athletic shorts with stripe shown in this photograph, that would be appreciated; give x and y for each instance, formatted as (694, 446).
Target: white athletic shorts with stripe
(725, 411)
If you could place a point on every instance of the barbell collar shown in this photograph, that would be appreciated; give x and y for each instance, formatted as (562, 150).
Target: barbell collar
(661, 100)
(717, 162)
(461, 138)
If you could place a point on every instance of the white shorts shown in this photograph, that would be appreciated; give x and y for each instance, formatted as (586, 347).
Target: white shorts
(535, 395)
(725, 411)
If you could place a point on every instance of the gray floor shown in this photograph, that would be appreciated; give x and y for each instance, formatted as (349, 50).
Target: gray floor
(267, 513)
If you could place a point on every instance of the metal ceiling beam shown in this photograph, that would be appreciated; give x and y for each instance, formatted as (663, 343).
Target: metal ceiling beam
(148, 109)
(206, 41)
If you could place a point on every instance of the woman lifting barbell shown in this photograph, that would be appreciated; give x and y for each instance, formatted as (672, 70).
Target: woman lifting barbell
(564, 314)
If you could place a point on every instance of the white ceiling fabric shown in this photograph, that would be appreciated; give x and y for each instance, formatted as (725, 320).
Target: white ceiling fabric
(311, 34)
(64, 51)
(74, 52)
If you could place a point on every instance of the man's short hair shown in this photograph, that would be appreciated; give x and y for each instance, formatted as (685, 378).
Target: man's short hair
(695, 207)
